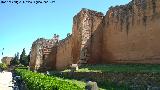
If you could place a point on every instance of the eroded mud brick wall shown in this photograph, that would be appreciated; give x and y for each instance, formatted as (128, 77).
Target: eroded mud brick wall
(132, 33)
(96, 19)
(126, 34)
(36, 54)
(64, 53)
(52, 58)
(40, 58)
(87, 37)
(76, 34)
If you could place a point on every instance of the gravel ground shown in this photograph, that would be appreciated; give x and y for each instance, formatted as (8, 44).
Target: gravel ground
(6, 81)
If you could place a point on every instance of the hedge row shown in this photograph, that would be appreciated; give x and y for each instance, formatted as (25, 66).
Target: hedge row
(37, 81)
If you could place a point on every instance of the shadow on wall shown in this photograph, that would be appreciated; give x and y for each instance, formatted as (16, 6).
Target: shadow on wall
(88, 37)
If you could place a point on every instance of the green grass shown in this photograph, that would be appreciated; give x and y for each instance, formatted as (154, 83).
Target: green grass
(76, 82)
(123, 69)
(139, 68)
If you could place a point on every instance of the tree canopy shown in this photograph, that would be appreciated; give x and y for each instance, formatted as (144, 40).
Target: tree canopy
(15, 60)
(24, 59)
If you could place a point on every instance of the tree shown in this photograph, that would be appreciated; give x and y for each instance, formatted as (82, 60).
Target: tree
(28, 58)
(24, 60)
(15, 60)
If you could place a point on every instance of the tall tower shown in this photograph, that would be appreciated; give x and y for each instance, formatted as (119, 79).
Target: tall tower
(85, 37)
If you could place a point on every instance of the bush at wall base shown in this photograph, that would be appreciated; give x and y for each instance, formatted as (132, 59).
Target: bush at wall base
(37, 81)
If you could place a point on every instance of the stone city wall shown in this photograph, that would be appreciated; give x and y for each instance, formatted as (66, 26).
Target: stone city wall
(131, 33)
(64, 53)
(126, 34)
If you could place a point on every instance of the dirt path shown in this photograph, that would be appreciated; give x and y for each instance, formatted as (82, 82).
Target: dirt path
(6, 81)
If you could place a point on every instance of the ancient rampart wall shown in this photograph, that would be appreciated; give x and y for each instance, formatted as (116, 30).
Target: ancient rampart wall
(52, 58)
(126, 34)
(39, 57)
(131, 33)
(85, 42)
(64, 53)
(36, 55)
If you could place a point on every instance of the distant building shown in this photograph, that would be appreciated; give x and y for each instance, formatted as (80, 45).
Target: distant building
(6, 60)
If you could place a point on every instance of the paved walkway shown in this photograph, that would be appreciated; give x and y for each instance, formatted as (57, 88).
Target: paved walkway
(6, 81)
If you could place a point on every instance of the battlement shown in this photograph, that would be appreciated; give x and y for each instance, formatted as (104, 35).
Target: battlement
(89, 12)
(63, 41)
(44, 42)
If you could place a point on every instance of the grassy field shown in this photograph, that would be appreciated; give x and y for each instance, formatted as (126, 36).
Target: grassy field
(120, 76)
(139, 68)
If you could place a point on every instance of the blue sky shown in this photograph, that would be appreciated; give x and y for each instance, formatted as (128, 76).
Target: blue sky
(22, 24)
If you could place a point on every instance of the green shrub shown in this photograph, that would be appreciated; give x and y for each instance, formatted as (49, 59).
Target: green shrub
(22, 67)
(37, 81)
(3, 66)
